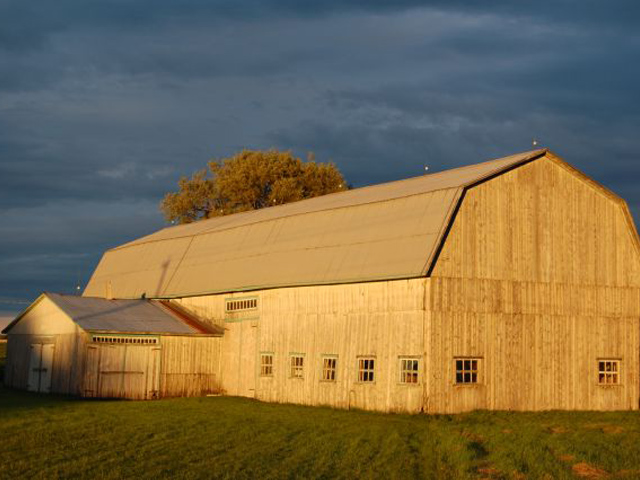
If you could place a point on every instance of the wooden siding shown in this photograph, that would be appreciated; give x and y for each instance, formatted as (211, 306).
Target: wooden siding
(381, 319)
(190, 366)
(541, 223)
(538, 344)
(67, 365)
(122, 371)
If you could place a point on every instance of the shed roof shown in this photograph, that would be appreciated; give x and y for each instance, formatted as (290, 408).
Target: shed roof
(123, 316)
(386, 231)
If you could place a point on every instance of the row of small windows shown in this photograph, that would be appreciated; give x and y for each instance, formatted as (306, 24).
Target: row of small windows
(467, 370)
(366, 368)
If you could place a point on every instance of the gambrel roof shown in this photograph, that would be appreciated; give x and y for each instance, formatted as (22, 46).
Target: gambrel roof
(381, 232)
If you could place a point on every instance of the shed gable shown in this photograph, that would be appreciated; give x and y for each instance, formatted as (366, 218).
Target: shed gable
(43, 317)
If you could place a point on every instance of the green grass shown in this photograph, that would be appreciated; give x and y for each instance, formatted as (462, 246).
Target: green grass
(223, 437)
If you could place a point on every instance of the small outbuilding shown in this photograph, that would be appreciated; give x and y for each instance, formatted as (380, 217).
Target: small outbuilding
(97, 347)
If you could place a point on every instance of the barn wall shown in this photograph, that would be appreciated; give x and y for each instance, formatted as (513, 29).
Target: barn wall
(538, 277)
(541, 223)
(382, 319)
(190, 366)
(532, 360)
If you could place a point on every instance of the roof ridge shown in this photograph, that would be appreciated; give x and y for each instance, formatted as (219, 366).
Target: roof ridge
(528, 155)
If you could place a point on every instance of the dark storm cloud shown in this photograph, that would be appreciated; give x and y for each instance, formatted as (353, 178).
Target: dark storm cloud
(103, 105)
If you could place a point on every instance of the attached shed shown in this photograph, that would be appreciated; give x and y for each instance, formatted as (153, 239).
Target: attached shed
(96, 347)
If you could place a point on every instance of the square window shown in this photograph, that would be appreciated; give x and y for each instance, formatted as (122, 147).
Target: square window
(297, 366)
(409, 370)
(266, 365)
(467, 370)
(366, 369)
(329, 365)
(608, 372)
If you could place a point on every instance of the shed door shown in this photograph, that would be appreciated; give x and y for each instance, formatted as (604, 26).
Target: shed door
(110, 371)
(91, 371)
(40, 367)
(122, 371)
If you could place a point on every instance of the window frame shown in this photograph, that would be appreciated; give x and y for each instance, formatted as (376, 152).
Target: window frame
(362, 372)
(293, 368)
(263, 365)
(617, 373)
(467, 371)
(329, 357)
(402, 371)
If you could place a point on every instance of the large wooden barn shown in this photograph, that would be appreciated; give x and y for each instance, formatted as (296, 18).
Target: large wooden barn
(511, 284)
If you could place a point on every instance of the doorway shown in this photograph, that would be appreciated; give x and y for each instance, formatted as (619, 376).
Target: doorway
(40, 367)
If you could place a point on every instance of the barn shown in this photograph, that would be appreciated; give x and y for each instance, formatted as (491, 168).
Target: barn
(96, 347)
(512, 284)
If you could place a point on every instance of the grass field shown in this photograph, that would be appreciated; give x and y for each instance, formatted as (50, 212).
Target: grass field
(222, 437)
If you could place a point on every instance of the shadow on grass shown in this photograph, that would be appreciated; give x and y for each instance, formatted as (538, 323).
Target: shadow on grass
(12, 400)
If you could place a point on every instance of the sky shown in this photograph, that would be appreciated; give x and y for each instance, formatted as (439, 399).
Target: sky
(105, 104)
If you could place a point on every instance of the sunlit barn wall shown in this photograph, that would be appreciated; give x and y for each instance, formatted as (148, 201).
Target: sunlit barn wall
(382, 320)
(539, 278)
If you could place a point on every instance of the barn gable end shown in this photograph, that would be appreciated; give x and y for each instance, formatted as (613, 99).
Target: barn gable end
(542, 222)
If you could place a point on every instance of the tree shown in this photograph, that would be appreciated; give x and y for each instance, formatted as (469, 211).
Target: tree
(249, 180)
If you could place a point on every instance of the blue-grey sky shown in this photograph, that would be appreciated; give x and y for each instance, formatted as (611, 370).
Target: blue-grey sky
(105, 104)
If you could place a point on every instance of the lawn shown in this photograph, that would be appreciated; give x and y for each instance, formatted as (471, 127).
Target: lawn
(224, 437)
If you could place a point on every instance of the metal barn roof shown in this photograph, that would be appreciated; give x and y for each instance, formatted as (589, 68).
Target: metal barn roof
(385, 231)
(130, 316)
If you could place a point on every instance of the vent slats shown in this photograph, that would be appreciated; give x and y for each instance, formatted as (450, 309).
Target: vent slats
(241, 304)
(114, 340)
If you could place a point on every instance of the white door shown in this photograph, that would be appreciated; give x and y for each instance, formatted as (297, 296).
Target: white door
(40, 367)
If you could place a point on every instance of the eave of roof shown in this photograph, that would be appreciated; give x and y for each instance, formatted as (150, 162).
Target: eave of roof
(91, 315)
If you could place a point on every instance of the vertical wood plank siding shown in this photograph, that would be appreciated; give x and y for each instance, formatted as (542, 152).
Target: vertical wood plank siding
(539, 276)
(68, 360)
(539, 345)
(190, 366)
(380, 319)
(541, 223)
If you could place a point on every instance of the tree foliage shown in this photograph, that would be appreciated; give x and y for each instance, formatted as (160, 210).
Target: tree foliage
(249, 180)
